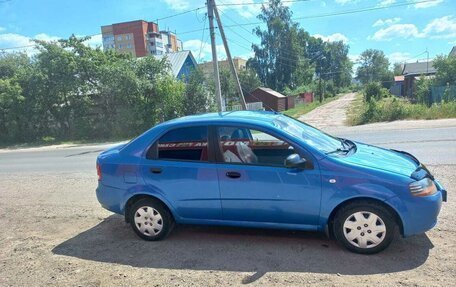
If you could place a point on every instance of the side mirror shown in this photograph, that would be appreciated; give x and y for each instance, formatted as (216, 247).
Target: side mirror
(295, 161)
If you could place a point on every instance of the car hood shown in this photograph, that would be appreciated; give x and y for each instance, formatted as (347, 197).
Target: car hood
(382, 159)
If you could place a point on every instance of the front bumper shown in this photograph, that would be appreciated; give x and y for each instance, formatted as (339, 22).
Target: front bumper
(418, 214)
(442, 190)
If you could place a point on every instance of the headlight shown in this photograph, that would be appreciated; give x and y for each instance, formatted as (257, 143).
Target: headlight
(423, 187)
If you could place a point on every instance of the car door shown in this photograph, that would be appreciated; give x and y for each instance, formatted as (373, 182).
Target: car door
(255, 185)
(179, 166)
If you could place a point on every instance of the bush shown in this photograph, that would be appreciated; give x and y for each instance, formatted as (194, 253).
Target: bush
(375, 91)
(392, 109)
(423, 91)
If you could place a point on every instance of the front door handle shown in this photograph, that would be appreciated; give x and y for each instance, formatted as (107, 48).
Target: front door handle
(233, 174)
(155, 170)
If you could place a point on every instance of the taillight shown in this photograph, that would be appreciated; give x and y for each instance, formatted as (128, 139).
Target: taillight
(99, 171)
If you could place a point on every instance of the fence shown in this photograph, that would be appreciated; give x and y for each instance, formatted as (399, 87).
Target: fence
(443, 93)
(250, 106)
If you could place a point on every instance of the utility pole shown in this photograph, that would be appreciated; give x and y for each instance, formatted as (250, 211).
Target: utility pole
(427, 62)
(218, 92)
(319, 88)
(228, 55)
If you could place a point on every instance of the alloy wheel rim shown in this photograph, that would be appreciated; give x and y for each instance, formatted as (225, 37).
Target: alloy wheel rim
(364, 229)
(148, 221)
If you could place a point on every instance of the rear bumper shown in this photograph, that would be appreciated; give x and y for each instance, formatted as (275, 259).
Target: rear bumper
(110, 198)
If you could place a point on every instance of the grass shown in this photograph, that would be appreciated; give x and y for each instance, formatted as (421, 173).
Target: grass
(304, 108)
(393, 108)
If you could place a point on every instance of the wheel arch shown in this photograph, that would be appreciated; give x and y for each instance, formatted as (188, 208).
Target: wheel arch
(140, 196)
(397, 217)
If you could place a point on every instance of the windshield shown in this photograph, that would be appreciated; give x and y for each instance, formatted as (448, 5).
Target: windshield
(310, 135)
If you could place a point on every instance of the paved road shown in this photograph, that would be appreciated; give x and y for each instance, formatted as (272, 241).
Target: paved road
(433, 146)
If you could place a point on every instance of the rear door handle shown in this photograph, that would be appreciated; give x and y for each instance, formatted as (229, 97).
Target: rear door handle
(233, 174)
(155, 170)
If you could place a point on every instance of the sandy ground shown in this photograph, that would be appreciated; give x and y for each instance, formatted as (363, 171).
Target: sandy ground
(54, 233)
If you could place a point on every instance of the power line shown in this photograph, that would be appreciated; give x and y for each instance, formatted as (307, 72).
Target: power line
(258, 23)
(202, 38)
(260, 3)
(367, 9)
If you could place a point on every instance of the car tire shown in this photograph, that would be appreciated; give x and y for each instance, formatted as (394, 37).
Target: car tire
(151, 219)
(364, 227)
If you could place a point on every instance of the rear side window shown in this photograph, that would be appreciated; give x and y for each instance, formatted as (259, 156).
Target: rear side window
(188, 144)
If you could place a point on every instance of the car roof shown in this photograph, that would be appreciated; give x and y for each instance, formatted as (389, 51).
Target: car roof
(260, 117)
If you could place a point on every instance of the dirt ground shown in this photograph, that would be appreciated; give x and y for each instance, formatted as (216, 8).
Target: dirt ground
(54, 233)
(330, 115)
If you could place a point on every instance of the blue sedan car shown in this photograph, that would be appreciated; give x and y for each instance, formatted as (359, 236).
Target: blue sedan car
(267, 170)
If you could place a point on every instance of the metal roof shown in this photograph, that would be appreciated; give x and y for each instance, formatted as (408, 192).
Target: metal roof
(418, 68)
(177, 60)
(270, 91)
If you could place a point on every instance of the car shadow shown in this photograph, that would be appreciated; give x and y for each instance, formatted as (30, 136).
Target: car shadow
(239, 249)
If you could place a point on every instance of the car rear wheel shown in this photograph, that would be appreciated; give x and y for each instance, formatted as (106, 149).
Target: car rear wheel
(364, 227)
(150, 219)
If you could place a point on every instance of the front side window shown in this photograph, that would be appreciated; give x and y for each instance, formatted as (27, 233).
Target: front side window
(187, 144)
(249, 146)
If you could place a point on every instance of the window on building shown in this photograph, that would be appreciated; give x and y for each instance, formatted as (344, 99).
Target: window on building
(119, 46)
(119, 38)
(128, 46)
(247, 146)
(188, 144)
(127, 37)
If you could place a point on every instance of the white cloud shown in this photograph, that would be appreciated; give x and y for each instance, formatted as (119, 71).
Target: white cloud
(398, 57)
(94, 41)
(343, 2)
(181, 4)
(2, 29)
(405, 31)
(10, 40)
(384, 3)
(444, 28)
(386, 22)
(425, 5)
(19, 43)
(242, 7)
(206, 53)
(45, 37)
(439, 28)
(332, 38)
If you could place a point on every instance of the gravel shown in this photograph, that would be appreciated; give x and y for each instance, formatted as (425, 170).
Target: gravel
(54, 233)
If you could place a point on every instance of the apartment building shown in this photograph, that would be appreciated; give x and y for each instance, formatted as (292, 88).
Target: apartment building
(208, 69)
(139, 38)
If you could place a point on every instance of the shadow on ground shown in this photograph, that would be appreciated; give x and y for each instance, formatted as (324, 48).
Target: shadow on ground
(236, 249)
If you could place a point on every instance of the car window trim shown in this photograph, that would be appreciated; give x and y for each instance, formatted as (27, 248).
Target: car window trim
(154, 145)
(219, 155)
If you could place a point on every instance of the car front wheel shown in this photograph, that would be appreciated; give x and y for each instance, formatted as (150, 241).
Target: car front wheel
(364, 227)
(150, 219)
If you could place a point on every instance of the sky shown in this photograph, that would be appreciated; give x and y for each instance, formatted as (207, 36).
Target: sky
(403, 32)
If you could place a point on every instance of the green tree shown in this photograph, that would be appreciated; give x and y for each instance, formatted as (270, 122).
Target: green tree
(249, 80)
(277, 56)
(397, 70)
(197, 96)
(374, 67)
(446, 70)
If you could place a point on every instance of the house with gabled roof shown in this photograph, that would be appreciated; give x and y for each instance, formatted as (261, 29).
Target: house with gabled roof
(413, 72)
(181, 63)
